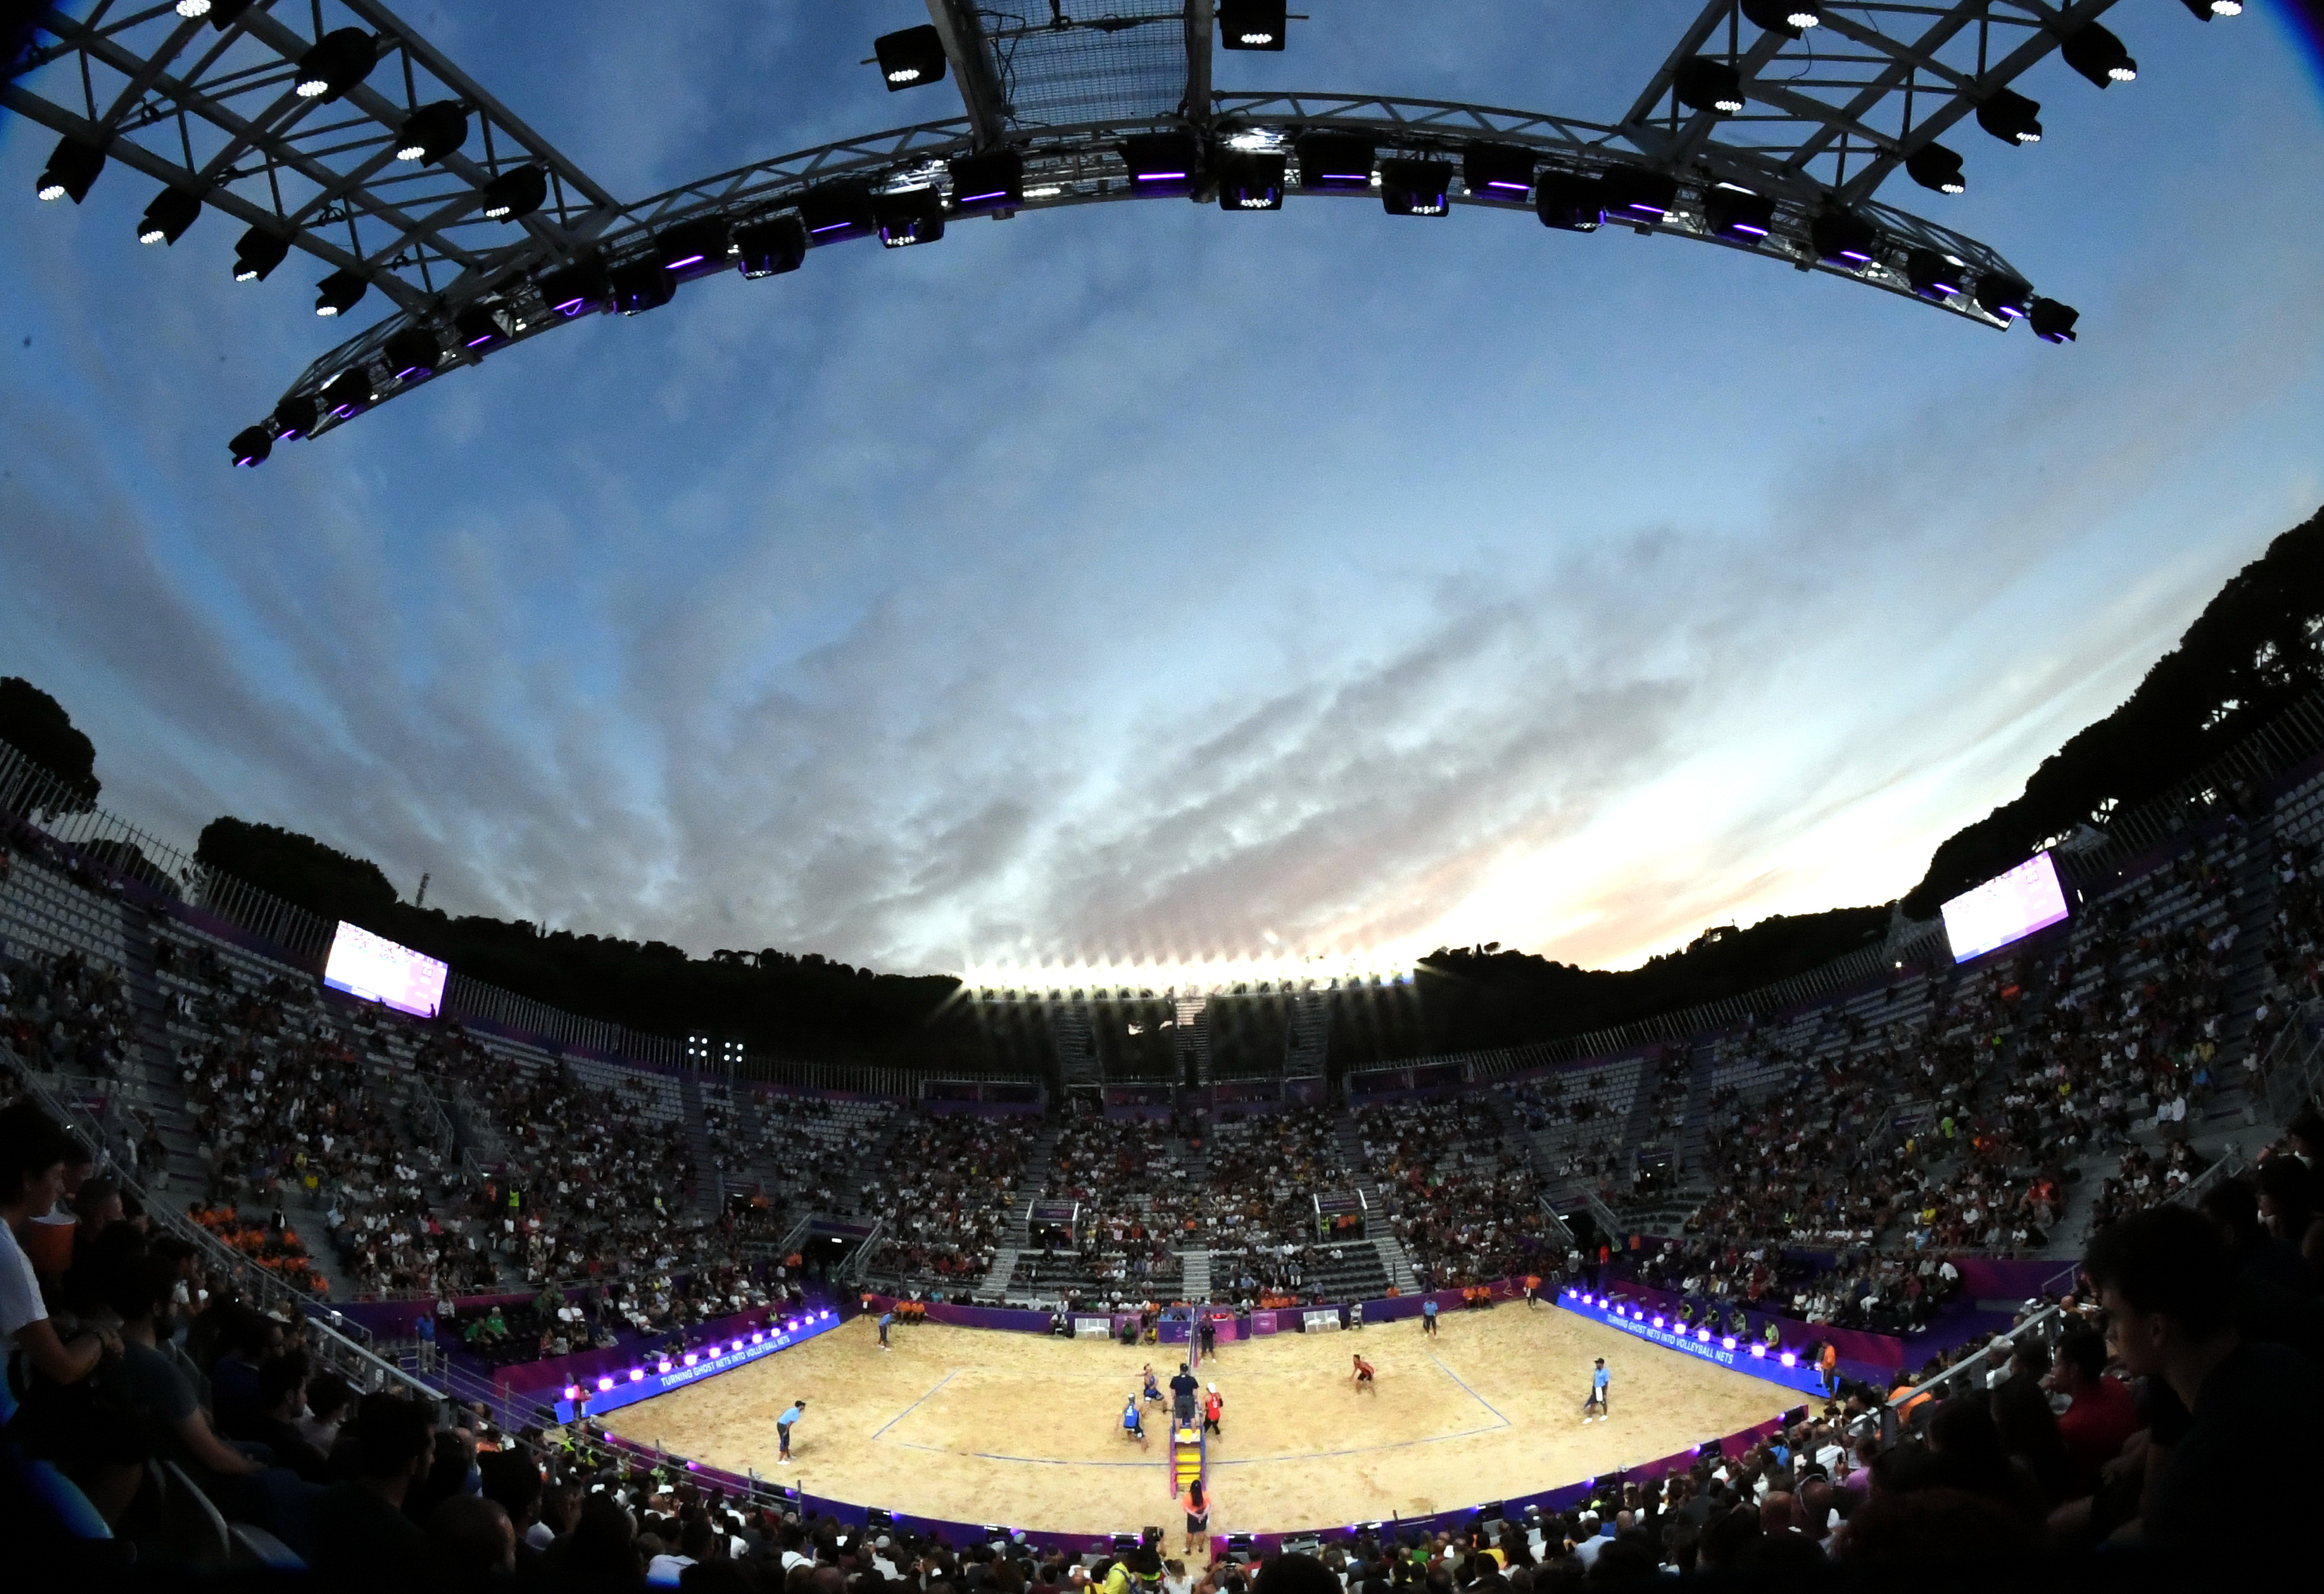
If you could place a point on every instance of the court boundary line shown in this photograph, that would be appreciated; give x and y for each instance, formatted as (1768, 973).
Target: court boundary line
(1473, 1395)
(915, 1405)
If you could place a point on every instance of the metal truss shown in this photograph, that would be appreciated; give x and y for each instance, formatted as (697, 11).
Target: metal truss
(1820, 121)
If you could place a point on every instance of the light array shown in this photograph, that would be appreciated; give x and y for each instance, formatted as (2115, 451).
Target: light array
(1204, 978)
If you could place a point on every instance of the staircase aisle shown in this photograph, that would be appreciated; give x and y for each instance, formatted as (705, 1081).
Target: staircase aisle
(1194, 1283)
(709, 1180)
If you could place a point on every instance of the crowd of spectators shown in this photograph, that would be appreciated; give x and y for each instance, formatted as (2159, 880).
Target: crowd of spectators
(1134, 1202)
(1264, 1171)
(1456, 1186)
(67, 1015)
(946, 1196)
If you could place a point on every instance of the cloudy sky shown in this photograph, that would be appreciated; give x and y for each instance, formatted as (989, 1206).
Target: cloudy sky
(1137, 582)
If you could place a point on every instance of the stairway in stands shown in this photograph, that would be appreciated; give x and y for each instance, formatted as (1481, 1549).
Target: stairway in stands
(1016, 1236)
(1394, 1259)
(1195, 1283)
(709, 1183)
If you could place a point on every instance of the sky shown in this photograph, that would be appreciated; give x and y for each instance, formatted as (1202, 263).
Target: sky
(1138, 583)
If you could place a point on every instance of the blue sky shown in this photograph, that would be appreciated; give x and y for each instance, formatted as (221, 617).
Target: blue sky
(1138, 582)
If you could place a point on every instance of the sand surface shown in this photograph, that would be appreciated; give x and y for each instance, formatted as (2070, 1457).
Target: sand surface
(1024, 1430)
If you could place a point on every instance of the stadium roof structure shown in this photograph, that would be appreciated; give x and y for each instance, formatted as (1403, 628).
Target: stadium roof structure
(331, 128)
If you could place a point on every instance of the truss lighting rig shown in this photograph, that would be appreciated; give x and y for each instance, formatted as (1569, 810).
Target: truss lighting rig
(331, 129)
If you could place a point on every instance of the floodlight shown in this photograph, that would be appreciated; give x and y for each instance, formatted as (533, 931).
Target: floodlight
(517, 192)
(166, 219)
(1329, 160)
(2208, 9)
(637, 1374)
(1637, 195)
(335, 63)
(2010, 117)
(414, 352)
(1251, 180)
(694, 246)
(604, 1384)
(1570, 201)
(348, 392)
(337, 294)
(1253, 24)
(295, 417)
(914, 216)
(2097, 54)
(641, 285)
(71, 171)
(257, 254)
(1934, 166)
(1498, 171)
(431, 133)
(1790, 18)
(251, 446)
(1932, 274)
(575, 289)
(770, 247)
(836, 211)
(477, 328)
(1738, 212)
(193, 10)
(1706, 84)
(1998, 294)
(1161, 163)
(994, 181)
(1842, 237)
(2053, 322)
(910, 57)
(1416, 187)
(1727, 1342)
(1759, 1351)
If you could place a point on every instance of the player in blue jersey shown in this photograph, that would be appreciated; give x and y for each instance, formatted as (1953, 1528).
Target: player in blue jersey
(1599, 1381)
(1133, 1422)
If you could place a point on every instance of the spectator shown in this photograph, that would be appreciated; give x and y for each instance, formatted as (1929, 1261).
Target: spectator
(2102, 1415)
(358, 1530)
(2254, 1411)
(468, 1538)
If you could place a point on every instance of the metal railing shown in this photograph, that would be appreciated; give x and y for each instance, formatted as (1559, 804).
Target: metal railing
(2291, 1071)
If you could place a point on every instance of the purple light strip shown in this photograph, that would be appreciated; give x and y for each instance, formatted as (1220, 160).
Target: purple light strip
(487, 337)
(1160, 176)
(680, 264)
(831, 226)
(405, 374)
(1514, 186)
(981, 199)
(1749, 229)
(570, 306)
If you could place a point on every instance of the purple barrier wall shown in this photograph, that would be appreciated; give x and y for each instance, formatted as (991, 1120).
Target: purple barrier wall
(1865, 1356)
(984, 1317)
(2011, 1278)
(583, 1367)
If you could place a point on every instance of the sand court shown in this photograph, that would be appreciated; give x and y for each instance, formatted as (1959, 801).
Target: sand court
(1026, 1431)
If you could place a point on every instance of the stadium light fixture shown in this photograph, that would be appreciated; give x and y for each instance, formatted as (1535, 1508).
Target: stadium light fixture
(251, 446)
(1570, 201)
(836, 211)
(2010, 117)
(1161, 163)
(2003, 296)
(1727, 1342)
(664, 1366)
(431, 133)
(1637, 195)
(575, 289)
(1790, 18)
(256, 253)
(1789, 1359)
(347, 393)
(1703, 1335)
(637, 1374)
(1416, 187)
(477, 328)
(193, 11)
(641, 285)
(1934, 166)
(1706, 84)
(72, 167)
(1334, 162)
(2052, 322)
(1738, 212)
(336, 294)
(692, 247)
(2205, 10)
(914, 216)
(994, 181)
(1842, 237)
(415, 352)
(770, 247)
(335, 63)
(166, 219)
(2097, 54)
(295, 417)
(604, 1384)
(908, 58)
(1251, 180)
(515, 193)
(1498, 171)
(1253, 24)
(1933, 276)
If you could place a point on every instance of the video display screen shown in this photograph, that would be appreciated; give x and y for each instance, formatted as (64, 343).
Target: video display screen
(2006, 908)
(375, 968)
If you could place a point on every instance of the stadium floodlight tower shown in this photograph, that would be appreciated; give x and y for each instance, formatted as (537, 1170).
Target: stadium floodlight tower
(332, 130)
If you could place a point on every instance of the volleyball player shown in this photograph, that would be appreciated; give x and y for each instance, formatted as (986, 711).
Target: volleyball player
(1599, 1381)
(791, 1414)
(1133, 1421)
(1363, 1375)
